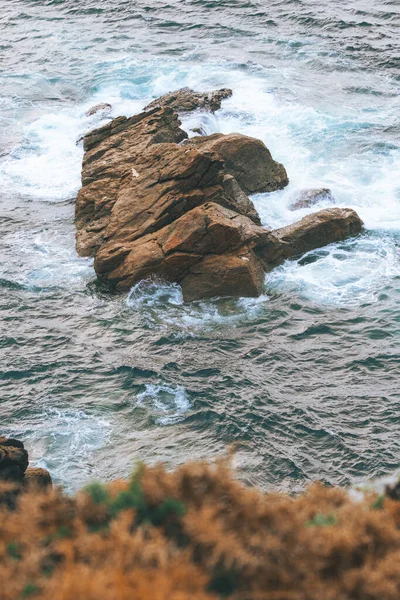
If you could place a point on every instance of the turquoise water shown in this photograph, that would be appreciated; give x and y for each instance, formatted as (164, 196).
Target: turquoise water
(303, 380)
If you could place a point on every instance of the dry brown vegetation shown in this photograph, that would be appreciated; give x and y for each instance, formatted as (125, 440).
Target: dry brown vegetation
(197, 533)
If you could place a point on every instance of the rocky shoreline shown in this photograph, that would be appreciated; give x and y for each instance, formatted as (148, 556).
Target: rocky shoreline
(155, 203)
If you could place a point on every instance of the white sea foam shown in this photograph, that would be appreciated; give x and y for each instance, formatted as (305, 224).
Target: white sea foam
(168, 404)
(318, 150)
(47, 164)
(320, 143)
(64, 441)
(341, 274)
(161, 305)
(49, 259)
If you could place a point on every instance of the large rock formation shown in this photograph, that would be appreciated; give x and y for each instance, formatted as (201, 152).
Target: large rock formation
(152, 206)
(183, 249)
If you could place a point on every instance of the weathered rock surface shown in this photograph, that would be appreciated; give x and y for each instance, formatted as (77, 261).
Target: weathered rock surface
(247, 159)
(186, 100)
(5, 441)
(151, 206)
(110, 153)
(149, 198)
(319, 229)
(243, 203)
(308, 198)
(237, 275)
(14, 464)
(180, 251)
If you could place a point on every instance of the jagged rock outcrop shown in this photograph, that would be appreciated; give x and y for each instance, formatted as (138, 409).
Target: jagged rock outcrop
(104, 107)
(242, 202)
(181, 250)
(247, 159)
(186, 100)
(14, 465)
(151, 205)
(164, 182)
(110, 153)
(308, 198)
(13, 460)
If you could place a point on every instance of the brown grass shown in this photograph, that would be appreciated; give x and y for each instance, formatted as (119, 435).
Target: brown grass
(198, 534)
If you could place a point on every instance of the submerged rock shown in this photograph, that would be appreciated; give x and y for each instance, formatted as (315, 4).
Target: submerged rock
(152, 206)
(104, 107)
(308, 198)
(186, 100)
(247, 159)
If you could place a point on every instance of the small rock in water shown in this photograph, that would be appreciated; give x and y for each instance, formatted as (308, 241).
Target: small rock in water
(14, 465)
(310, 197)
(99, 107)
(198, 130)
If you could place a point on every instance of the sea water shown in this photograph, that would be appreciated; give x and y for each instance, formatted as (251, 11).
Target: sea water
(303, 380)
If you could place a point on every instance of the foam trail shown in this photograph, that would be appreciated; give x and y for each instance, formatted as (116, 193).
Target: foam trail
(345, 274)
(168, 404)
(62, 440)
(161, 304)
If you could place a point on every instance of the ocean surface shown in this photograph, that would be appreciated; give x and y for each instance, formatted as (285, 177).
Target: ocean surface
(304, 381)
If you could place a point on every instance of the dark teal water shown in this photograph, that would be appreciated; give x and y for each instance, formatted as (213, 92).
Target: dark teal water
(304, 380)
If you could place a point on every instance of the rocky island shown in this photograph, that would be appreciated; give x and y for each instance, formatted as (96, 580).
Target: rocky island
(155, 203)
